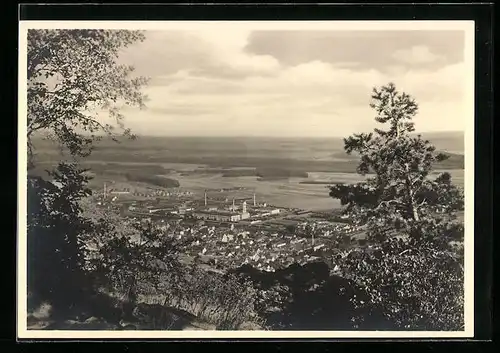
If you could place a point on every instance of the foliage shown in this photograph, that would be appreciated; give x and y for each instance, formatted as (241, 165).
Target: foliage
(400, 196)
(414, 287)
(73, 73)
(409, 274)
(133, 261)
(219, 299)
(56, 235)
(303, 297)
(70, 73)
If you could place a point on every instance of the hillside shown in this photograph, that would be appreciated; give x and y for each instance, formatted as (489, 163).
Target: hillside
(450, 141)
(291, 155)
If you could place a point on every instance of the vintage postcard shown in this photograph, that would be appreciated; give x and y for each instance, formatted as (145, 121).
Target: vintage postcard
(264, 179)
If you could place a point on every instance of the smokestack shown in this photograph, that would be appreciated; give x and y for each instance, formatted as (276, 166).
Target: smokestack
(104, 192)
(254, 202)
(205, 198)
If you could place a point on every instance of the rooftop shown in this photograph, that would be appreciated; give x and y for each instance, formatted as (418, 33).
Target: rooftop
(219, 212)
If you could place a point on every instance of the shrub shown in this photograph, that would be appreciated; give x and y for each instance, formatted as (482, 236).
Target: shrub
(134, 262)
(412, 287)
(56, 236)
(222, 300)
(304, 297)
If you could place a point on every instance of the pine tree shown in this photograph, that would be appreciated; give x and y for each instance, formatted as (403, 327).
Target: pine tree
(411, 275)
(399, 193)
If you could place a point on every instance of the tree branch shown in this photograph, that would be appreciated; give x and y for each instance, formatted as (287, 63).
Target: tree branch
(403, 252)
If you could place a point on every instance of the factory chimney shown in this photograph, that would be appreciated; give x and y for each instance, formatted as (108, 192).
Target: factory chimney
(205, 198)
(254, 202)
(104, 192)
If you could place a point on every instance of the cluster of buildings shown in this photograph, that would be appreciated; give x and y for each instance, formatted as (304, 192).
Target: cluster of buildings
(223, 248)
(233, 213)
(177, 203)
(111, 192)
(261, 250)
(326, 228)
(161, 193)
(227, 235)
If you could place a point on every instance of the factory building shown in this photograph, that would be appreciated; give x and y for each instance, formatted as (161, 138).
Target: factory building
(214, 214)
(218, 215)
(244, 213)
(265, 212)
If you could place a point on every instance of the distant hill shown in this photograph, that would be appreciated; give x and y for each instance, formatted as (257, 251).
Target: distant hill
(291, 154)
(449, 141)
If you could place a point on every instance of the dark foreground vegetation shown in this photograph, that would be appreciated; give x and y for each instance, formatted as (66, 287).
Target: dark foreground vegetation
(88, 270)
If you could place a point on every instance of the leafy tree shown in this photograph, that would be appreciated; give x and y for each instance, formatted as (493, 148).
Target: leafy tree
(399, 193)
(410, 274)
(56, 237)
(72, 74)
(134, 263)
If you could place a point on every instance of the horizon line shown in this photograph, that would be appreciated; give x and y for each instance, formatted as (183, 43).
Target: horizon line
(291, 136)
(268, 136)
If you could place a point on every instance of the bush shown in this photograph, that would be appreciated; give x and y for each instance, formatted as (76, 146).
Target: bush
(133, 262)
(301, 297)
(222, 300)
(56, 236)
(412, 287)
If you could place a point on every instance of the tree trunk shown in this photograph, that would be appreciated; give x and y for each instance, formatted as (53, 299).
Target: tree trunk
(411, 199)
(130, 300)
(416, 216)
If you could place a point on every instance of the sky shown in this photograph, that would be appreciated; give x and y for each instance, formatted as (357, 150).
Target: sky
(236, 82)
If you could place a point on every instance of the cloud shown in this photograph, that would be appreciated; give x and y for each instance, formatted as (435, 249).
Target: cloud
(444, 85)
(417, 55)
(182, 110)
(365, 49)
(210, 53)
(315, 98)
(214, 83)
(229, 51)
(166, 52)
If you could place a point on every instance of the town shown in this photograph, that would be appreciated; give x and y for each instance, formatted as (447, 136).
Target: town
(229, 230)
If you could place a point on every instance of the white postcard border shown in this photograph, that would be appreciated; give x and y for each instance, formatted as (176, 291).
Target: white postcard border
(467, 26)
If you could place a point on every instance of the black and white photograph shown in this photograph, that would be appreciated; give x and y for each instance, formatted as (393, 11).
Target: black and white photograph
(246, 179)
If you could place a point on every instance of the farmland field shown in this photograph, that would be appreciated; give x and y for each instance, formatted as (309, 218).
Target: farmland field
(297, 171)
